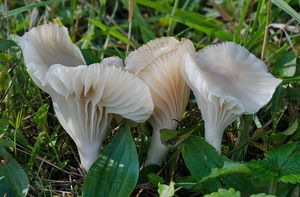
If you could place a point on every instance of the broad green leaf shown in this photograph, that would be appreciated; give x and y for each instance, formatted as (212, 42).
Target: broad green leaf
(285, 66)
(172, 138)
(228, 168)
(241, 182)
(280, 155)
(288, 9)
(292, 129)
(291, 165)
(115, 172)
(13, 180)
(293, 93)
(187, 182)
(291, 79)
(147, 171)
(225, 193)
(155, 179)
(280, 163)
(262, 195)
(6, 44)
(200, 157)
(290, 178)
(167, 134)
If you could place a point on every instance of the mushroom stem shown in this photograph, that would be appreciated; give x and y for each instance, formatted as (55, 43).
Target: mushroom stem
(157, 150)
(88, 155)
(213, 135)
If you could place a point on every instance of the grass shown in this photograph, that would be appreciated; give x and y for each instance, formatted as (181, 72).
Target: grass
(31, 132)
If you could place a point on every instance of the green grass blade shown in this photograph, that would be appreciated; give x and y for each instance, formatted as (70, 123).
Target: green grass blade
(29, 7)
(13, 180)
(115, 172)
(288, 9)
(112, 31)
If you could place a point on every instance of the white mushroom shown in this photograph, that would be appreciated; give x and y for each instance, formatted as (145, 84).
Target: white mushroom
(158, 64)
(227, 81)
(84, 97)
(87, 95)
(46, 45)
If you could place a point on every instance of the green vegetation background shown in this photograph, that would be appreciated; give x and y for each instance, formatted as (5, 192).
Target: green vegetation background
(30, 132)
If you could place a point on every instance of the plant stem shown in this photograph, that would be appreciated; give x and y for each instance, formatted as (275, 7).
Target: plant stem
(273, 186)
(266, 31)
(157, 150)
(213, 135)
(88, 154)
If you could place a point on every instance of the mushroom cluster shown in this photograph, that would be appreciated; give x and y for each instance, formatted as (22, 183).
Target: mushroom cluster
(226, 79)
(84, 97)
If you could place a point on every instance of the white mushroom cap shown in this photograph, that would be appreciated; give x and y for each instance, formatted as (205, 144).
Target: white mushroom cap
(83, 96)
(113, 61)
(158, 64)
(227, 81)
(86, 95)
(46, 45)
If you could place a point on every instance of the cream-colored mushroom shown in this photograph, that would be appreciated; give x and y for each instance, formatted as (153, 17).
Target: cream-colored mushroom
(157, 63)
(46, 45)
(87, 95)
(84, 97)
(227, 81)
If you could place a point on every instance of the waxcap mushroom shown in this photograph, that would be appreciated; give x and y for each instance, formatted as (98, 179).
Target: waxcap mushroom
(227, 81)
(46, 45)
(84, 97)
(157, 63)
(50, 44)
(87, 95)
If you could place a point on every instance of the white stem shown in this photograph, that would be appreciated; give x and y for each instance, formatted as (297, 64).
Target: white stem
(157, 150)
(213, 135)
(88, 155)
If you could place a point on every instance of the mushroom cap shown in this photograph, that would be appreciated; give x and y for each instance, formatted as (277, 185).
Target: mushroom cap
(232, 73)
(158, 63)
(146, 54)
(46, 45)
(84, 96)
(113, 61)
(227, 81)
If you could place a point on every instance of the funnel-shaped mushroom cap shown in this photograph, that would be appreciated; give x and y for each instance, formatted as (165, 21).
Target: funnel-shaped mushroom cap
(86, 95)
(227, 81)
(158, 64)
(83, 97)
(46, 45)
